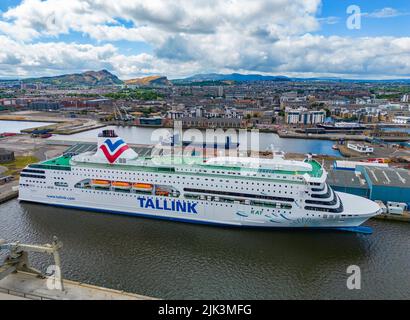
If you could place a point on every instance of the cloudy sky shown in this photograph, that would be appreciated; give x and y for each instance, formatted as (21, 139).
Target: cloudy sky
(178, 38)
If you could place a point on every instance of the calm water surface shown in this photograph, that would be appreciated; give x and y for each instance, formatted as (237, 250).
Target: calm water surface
(17, 126)
(137, 135)
(179, 261)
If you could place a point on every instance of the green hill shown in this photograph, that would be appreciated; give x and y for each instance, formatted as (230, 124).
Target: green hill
(89, 78)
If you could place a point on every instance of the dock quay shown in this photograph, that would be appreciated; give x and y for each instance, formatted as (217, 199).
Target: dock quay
(8, 195)
(19, 280)
(392, 217)
(8, 191)
(331, 137)
(28, 286)
(54, 124)
(403, 137)
(378, 152)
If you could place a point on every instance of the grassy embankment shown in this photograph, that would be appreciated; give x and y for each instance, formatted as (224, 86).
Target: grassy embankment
(138, 94)
(14, 167)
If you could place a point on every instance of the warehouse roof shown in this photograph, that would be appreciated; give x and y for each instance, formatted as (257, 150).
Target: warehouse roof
(392, 177)
(341, 178)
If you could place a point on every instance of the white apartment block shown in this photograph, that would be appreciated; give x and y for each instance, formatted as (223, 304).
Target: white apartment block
(401, 120)
(305, 116)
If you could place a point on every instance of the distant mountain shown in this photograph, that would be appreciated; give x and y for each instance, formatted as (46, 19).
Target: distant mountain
(233, 77)
(330, 79)
(149, 81)
(89, 78)
(104, 78)
(237, 77)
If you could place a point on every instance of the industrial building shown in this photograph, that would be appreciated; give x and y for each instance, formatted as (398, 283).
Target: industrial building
(352, 165)
(348, 182)
(387, 184)
(150, 122)
(44, 105)
(6, 156)
(376, 183)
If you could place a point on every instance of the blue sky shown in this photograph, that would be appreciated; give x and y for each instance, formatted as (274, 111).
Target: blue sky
(389, 26)
(7, 3)
(183, 37)
(78, 37)
(392, 26)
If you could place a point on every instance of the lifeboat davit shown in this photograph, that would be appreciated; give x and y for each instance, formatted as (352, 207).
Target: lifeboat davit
(146, 187)
(101, 183)
(121, 185)
(162, 193)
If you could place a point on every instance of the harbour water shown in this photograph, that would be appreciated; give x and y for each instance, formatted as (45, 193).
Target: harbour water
(138, 135)
(173, 260)
(17, 126)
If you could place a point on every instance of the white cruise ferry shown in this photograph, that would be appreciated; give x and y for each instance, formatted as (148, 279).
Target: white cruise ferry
(227, 191)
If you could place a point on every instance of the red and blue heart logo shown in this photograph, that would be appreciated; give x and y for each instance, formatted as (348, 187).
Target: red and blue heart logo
(113, 151)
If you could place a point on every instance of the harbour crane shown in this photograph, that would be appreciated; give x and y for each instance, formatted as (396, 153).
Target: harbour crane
(121, 114)
(17, 259)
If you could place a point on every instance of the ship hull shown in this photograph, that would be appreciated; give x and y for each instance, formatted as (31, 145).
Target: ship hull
(200, 212)
(201, 222)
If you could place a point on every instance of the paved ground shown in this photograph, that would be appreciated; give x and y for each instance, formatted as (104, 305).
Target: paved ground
(8, 186)
(4, 296)
(379, 152)
(59, 122)
(6, 191)
(34, 288)
(24, 145)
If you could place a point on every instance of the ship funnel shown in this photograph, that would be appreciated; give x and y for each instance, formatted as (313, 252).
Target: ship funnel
(113, 149)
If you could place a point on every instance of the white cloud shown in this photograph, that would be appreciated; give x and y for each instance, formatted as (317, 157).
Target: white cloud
(35, 18)
(19, 59)
(308, 54)
(386, 13)
(190, 36)
(329, 20)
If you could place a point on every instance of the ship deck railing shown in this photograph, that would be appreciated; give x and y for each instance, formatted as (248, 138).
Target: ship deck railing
(167, 164)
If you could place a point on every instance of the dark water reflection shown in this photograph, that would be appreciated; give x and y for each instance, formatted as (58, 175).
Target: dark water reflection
(175, 260)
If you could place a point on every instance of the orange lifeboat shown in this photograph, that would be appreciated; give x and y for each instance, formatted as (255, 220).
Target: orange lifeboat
(121, 185)
(101, 183)
(142, 187)
(162, 193)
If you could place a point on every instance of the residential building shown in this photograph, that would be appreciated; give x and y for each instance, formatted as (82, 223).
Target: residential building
(304, 116)
(401, 120)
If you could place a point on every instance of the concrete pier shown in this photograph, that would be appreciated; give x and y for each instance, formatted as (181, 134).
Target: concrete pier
(328, 136)
(392, 217)
(8, 191)
(26, 286)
